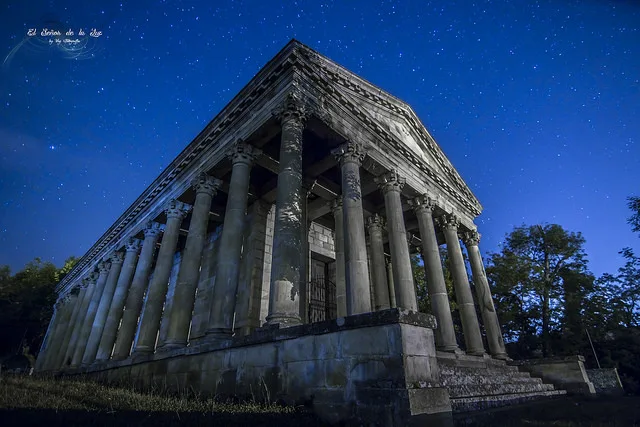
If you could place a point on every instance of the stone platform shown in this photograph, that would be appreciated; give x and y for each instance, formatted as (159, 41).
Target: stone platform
(377, 368)
(477, 383)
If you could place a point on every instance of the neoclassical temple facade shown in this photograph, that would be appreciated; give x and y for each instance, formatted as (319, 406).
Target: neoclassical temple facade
(275, 249)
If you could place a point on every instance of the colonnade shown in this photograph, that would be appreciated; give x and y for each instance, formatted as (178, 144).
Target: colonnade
(116, 312)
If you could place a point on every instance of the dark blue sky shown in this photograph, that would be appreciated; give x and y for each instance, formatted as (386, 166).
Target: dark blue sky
(536, 103)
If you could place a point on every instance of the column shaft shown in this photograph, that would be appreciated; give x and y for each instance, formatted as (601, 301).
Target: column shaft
(44, 354)
(341, 283)
(103, 309)
(59, 361)
(133, 303)
(185, 294)
(436, 286)
(391, 185)
(228, 267)
(92, 308)
(483, 293)
(62, 325)
(350, 156)
(392, 288)
(88, 284)
(117, 303)
(152, 313)
(464, 298)
(284, 294)
(381, 299)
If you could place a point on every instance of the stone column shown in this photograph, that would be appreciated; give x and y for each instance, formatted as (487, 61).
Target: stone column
(350, 156)
(152, 313)
(284, 294)
(88, 285)
(341, 283)
(392, 288)
(483, 293)
(204, 292)
(92, 309)
(436, 286)
(470, 326)
(44, 356)
(64, 347)
(220, 326)
(103, 309)
(114, 314)
(62, 325)
(375, 223)
(391, 185)
(185, 293)
(133, 304)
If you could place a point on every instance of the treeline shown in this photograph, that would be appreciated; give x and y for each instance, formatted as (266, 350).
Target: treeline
(26, 305)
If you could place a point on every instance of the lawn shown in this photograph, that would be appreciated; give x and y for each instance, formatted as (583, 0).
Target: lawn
(27, 401)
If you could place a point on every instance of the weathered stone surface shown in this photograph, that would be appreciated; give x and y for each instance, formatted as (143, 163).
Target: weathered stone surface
(606, 381)
(566, 373)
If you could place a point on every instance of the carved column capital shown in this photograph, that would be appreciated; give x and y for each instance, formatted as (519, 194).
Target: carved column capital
(448, 222)
(471, 238)
(422, 203)
(177, 209)
(132, 245)
(204, 183)
(390, 181)
(335, 205)
(293, 108)
(116, 258)
(241, 152)
(375, 223)
(350, 152)
(152, 229)
(104, 266)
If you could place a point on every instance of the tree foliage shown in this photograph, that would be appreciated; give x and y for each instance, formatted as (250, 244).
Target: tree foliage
(633, 203)
(528, 279)
(26, 303)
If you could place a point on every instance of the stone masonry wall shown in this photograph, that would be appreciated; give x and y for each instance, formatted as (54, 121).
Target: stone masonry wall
(606, 381)
(378, 367)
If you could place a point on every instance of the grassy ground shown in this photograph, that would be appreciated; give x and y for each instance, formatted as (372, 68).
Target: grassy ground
(27, 401)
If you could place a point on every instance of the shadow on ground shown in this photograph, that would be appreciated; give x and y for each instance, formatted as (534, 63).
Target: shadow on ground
(52, 418)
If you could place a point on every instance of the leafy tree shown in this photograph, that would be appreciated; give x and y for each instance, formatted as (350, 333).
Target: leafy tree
(633, 203)
(26, 303)
(527, 278)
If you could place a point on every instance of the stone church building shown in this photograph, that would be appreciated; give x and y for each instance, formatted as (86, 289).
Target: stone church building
(272, 257)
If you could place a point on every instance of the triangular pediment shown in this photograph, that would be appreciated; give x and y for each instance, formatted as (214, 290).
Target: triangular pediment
(390, 114)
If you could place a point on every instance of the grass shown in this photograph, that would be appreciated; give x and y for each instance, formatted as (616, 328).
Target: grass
(47, 402)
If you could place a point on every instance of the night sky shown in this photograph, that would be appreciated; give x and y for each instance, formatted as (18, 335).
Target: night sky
(536, 103)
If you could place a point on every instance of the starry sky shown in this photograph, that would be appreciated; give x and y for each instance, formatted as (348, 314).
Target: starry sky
(536, 103)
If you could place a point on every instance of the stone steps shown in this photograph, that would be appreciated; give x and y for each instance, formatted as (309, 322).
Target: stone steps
(478, 383)
(475, 390)
(451, 379)
(479, 403)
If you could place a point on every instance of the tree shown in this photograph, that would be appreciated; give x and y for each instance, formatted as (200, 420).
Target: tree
(26, 303)
(633, 203)
(527, 281)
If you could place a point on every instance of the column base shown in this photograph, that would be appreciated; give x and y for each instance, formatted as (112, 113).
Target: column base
(501, 356)
(283, 320)
(450, 349)
(218, 335)
(171, 345)
(141, 355)
(477, 353)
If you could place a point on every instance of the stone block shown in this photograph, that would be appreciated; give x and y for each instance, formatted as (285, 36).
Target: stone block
(417, 341)
(429, 401)
(226, 385)
(421, 371)
(381, 372)
(300, 376)
(365, 341)
(302, 348)
(328, 346)
(336, 372)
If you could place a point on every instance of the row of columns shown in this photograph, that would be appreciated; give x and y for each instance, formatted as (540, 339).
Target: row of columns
(89, 332)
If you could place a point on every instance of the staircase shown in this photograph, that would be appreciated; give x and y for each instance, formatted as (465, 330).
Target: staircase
(478, 383)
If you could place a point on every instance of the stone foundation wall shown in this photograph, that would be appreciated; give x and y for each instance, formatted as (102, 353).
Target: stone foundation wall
(566, 373)
(606, 381)
(321, 240)
(379, 367)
